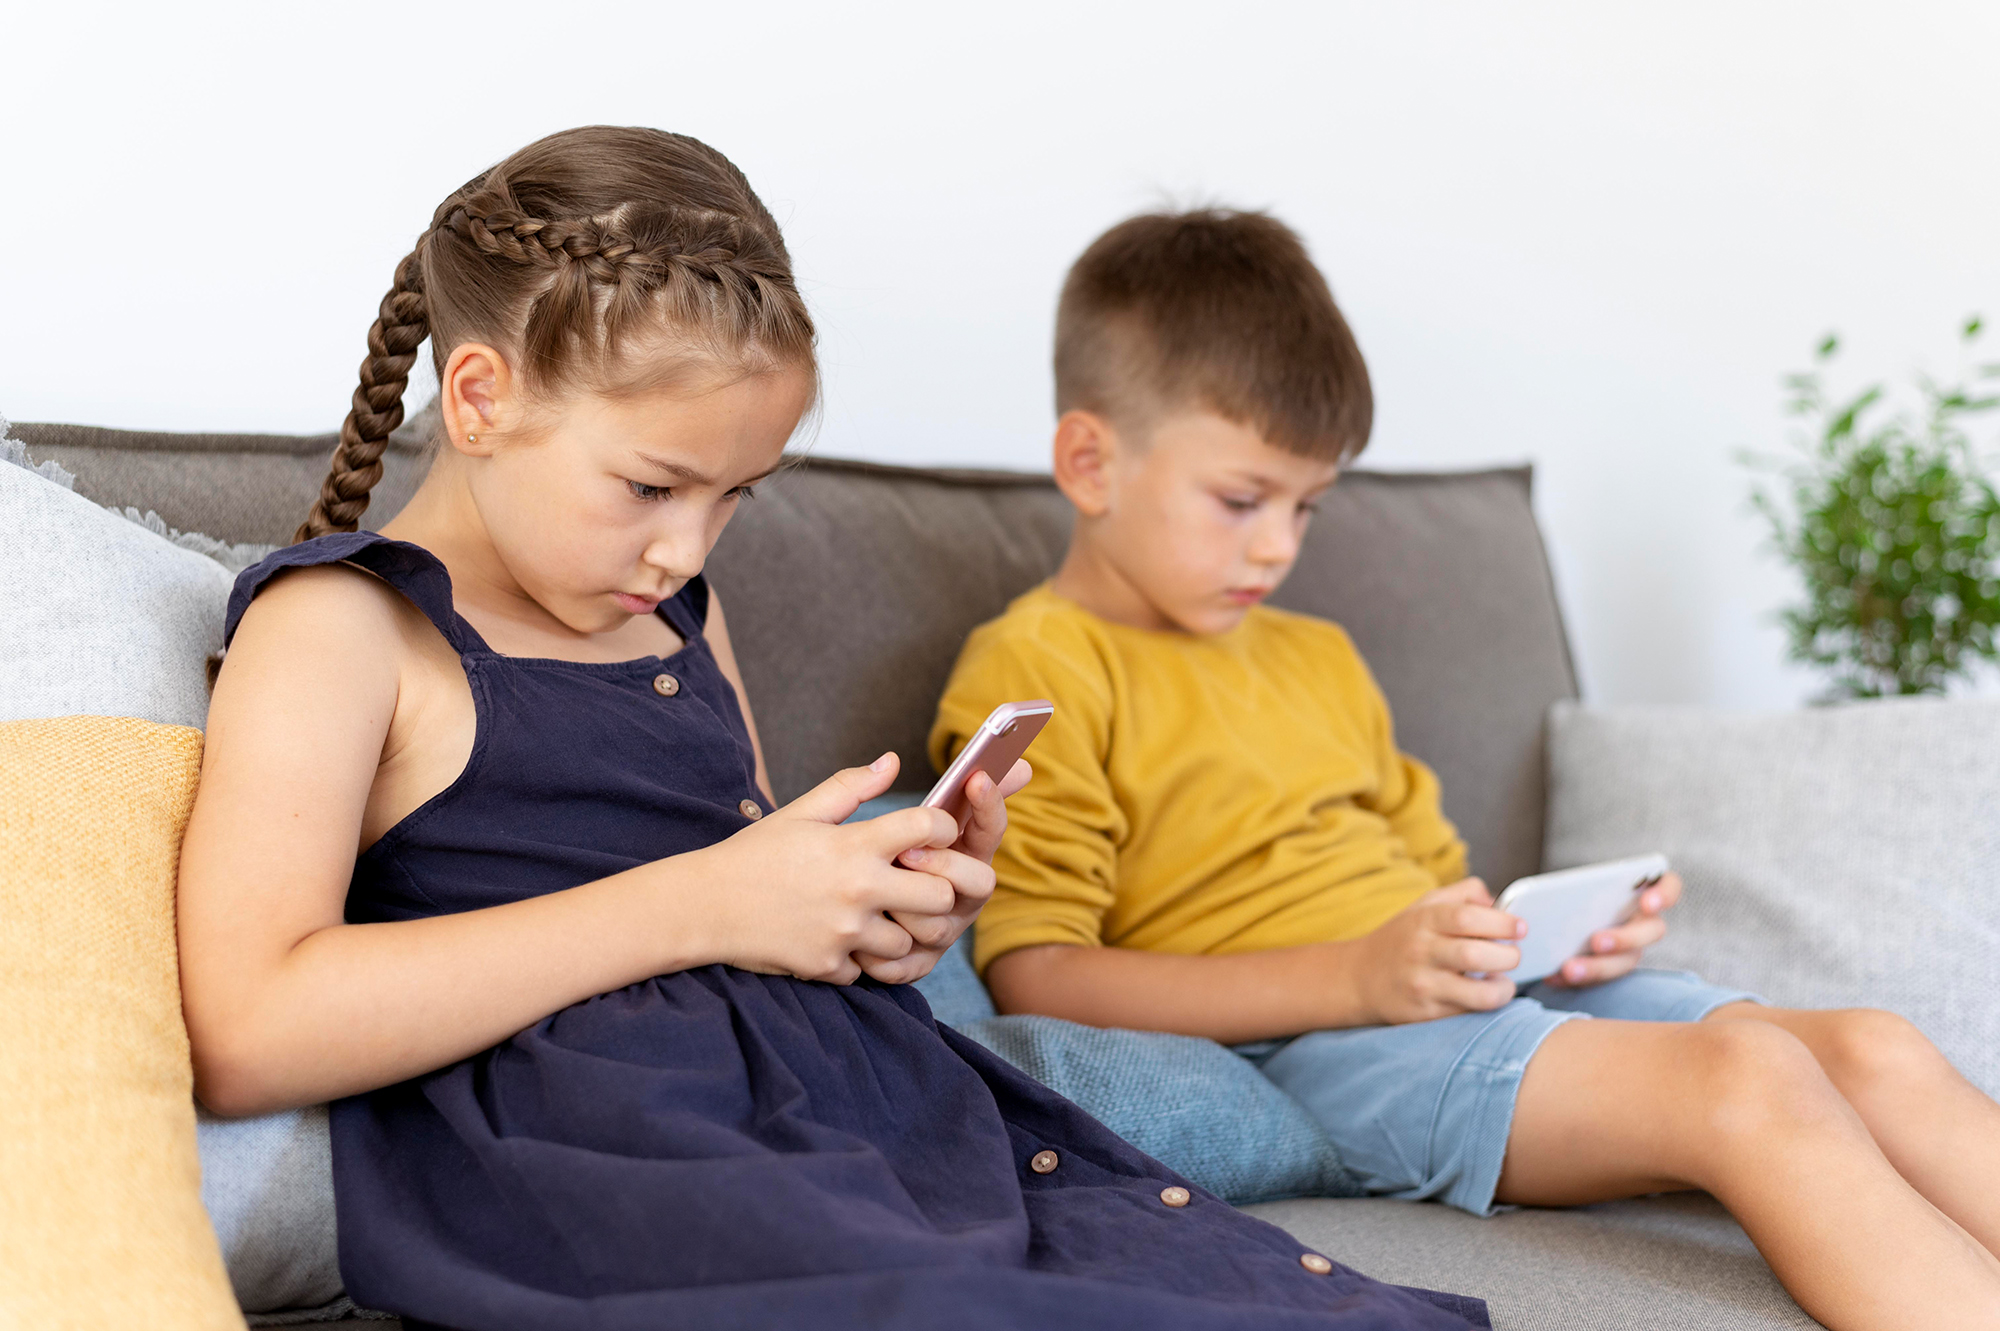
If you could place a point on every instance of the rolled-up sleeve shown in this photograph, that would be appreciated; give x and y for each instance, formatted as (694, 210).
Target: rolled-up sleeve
(1057, 864)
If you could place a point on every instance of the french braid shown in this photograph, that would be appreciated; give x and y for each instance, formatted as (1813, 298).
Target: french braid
(400, 328)
(559, 256)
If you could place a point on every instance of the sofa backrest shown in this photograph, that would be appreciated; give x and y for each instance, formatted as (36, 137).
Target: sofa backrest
(234, 487)
(849, 587)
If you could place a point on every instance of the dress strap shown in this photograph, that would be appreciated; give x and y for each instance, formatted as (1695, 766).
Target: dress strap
(687, 609)
(410, 569)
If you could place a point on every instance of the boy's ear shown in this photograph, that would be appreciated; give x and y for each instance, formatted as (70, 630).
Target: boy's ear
(1086, 445)
(476, 397)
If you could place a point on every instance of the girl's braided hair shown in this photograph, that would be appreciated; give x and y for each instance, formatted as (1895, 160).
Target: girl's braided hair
(559, 256)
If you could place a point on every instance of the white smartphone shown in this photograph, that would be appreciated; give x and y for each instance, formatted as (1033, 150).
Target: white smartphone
(993, 749)
(1563, 909)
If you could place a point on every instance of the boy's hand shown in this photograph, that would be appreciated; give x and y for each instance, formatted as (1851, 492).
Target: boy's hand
(968, 864)
(1415, 967)
(1614, 952)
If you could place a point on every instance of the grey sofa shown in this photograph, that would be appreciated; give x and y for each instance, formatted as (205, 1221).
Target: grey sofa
(850, 587)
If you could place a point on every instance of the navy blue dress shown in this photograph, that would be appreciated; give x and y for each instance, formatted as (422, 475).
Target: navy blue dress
(715, 1148)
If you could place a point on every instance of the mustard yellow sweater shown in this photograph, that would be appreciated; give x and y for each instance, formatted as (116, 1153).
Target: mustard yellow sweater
(1196, 794)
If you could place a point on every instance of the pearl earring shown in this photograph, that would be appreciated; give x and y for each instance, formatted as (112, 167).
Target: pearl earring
(472, 439)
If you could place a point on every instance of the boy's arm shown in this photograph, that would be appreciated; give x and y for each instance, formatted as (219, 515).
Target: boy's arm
(1057, 863)
(1411, 969)
(1411, 801)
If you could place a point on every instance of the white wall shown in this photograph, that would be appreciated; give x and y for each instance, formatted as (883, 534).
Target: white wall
(1586, 234)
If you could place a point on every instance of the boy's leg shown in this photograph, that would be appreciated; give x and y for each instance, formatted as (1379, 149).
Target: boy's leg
(1742, 1109)
(1938, 1130)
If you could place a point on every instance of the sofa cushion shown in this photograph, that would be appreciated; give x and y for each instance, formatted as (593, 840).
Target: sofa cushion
(100, 1199)
(850, 588)
(1672, 1263)
(1838, 857)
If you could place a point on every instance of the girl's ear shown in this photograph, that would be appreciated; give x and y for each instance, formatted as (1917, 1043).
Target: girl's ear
(477, 397)
(1086, 447)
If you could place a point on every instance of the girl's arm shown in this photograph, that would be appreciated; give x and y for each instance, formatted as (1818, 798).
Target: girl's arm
(287, 1004)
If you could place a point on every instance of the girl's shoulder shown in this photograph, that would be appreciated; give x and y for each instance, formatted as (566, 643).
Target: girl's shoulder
(349, 572)
(329, 623)
(319, 601)
(323, 612)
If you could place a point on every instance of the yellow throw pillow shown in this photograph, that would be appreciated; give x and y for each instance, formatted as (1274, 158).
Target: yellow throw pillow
(101, 1224)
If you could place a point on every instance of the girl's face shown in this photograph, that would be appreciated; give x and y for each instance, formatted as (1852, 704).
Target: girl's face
(617, 505)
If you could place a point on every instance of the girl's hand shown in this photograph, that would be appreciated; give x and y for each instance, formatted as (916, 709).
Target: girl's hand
(796, 893)
(1415, 967)
(988, 804)
(1614, 952)
(968, 863)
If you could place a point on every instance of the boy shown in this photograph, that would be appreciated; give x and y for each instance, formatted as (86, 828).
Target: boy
(1223, 840)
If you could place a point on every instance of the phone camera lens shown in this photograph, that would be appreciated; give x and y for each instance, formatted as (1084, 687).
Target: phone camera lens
(1008, 729)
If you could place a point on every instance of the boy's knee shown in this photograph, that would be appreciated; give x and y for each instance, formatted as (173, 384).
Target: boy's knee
(1760, 1086)
(1868, 1052)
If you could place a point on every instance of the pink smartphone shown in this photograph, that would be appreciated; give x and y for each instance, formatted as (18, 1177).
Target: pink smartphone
(993, 749)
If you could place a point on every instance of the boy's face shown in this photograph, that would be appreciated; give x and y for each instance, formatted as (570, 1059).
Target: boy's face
(1203, 519)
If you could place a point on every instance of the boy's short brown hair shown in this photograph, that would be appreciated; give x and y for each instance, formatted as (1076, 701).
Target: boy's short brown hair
(1217, 309)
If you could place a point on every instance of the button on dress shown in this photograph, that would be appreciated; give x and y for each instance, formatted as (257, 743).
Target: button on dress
(715, 1148)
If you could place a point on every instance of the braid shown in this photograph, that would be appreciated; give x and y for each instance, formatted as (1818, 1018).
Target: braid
(706, 264)
(399, 329)
(558, 255)
(605, 256)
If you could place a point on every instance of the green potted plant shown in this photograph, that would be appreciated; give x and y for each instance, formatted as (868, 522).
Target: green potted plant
(1893, 525)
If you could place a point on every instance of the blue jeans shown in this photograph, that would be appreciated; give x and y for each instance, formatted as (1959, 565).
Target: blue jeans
(1423, 1110)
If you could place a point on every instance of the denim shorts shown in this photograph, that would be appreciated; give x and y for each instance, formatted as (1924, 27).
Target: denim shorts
(1423, 1110)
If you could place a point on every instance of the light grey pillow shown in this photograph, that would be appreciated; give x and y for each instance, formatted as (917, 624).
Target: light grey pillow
(103, 617)
(235, 558)
(1839, 857)
(268, 1185)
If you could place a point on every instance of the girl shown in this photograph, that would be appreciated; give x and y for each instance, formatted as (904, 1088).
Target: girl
(485, 852)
